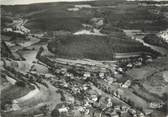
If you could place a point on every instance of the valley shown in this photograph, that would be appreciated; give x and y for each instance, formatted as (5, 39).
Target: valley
(84, 59)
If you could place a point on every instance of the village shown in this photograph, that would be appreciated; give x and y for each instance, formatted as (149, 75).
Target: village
(60, 87)
(84, 86)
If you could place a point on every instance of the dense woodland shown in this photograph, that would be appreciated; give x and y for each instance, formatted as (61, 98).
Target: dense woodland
(93, 47)
(155, 40)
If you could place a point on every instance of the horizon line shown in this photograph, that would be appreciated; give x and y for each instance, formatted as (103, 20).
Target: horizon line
(4, 2)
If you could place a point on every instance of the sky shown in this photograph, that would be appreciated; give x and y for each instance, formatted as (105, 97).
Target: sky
(13, 2)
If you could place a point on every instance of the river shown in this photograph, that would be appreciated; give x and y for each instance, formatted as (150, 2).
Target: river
(133, 35)
(161, 50)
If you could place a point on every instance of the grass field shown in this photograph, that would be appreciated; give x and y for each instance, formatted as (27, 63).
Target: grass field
(13, 92)
(152, 77)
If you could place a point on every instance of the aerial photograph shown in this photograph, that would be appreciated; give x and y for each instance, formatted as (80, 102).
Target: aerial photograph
(84, 58)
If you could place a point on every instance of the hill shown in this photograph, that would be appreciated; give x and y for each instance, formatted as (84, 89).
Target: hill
(121, 14)
(93, 47)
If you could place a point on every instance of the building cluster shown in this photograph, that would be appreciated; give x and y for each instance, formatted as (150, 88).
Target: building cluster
(127, 63)
(97, 22)
(79, 80)
(90, 98)
(164, 35)
(103, 80)
(92, 87)
(79, 7)
(17, 27)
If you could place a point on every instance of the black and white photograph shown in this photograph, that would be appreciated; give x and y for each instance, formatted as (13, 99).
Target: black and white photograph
(84, 58)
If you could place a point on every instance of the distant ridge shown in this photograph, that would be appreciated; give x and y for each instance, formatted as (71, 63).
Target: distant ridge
(150, 0)
(27, 2)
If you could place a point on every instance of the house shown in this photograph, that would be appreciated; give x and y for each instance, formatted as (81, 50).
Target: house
(117, 108)
(129, 65)
(109, 102)
(94, 98)
(73, 9)
(87, 111)
(7, 107)
(138, 64)
(18, 32)
(47, 75)
(155, 105)
(140, 59)
(147, 111)
(38, 35)
(87, 104)
(124, 108)
(120, 69)
(111, 113)
(125, 57)
(132, 111)
(85, 86)
(83, 6)
(38, 115)
(126, 84)
(135, 115)
(7, 30)
(69, 75)
(98, 22)
(61, 32)
(23, 29)
(149, 60)
(101, 75)
(81, 109)
(86, 74)
(87, 26)
(63, 109)
(141, 114)
(63, 69)
(115, 93)
(15, 107)
(110, 80)
(70, 99)
(115, 115)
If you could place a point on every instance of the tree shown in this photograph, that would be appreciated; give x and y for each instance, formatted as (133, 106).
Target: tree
(165, 98)
(20, 84)
(45, 109)
(55, 113)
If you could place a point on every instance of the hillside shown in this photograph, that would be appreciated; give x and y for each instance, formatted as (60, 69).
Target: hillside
(94, 47)
(54, 19)
(155, 40)
(55, 16)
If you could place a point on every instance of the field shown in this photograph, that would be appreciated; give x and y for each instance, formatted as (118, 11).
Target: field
(151, 76)
(13, 92)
